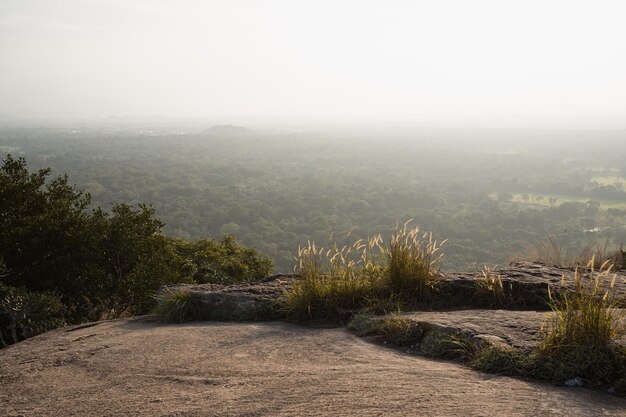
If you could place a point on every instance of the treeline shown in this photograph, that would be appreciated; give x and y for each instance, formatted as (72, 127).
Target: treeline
(63, 261)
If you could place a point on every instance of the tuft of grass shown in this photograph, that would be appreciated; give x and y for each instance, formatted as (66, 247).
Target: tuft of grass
(585, 315)
(369, 274)
(592, 363)
(580, 337)
(403, 332)
(413, 259)
(502, 361)
(177, 305)
(420, 337)
(448, 345)
(365, 324)
(333, 281)
(490, 288)
(549, 252)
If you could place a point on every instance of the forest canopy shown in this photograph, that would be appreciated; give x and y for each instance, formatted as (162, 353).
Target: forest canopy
(490, 192)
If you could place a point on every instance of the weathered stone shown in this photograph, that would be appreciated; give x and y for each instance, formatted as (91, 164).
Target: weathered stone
(525, 285)
(519, 329)
(242, 301)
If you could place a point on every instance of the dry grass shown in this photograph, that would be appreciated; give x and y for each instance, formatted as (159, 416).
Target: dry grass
(586, 315)
(333, 280)
(580, 338)
(366, 274)
(549, 252)
(490, 287)
(413, 258)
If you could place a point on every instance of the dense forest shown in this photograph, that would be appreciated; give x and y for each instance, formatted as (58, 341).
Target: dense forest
(491, 193)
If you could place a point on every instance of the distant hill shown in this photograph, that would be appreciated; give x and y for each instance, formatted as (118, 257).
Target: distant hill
(226, 130)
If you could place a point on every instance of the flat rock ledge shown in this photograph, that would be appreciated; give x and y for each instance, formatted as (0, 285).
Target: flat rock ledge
(241, 302)
(525, 287)
(517, 329)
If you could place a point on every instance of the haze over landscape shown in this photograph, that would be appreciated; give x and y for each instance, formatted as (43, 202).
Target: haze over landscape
(286, 208)
(556, 63)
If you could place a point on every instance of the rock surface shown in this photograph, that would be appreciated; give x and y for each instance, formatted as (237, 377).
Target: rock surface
(241, 302)
(525, 283)
(520, 329)
(143, 368)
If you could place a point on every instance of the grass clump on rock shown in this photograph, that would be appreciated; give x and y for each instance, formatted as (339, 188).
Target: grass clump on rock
(420, 337)
(176, 305)
(549, 252)
(580, 337)
(489, 287)
(367, 274)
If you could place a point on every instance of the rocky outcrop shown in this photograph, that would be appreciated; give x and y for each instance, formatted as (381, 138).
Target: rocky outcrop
(518, 329)
(242, 302)
(525, 286)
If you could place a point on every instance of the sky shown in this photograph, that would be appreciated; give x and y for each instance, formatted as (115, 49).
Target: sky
(341, 59)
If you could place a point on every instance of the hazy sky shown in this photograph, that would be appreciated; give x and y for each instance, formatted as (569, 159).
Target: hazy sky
(298, 58)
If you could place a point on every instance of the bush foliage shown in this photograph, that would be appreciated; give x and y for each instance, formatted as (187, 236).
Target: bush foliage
(97, 263)
(24, 314)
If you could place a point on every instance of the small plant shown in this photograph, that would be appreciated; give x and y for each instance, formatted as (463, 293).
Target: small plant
(586, 315)
(490, 287)
(401, 331)
(177, 305)
(365, 324)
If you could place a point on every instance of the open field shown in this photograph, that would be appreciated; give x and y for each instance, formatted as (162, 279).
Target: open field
(543, 200)
(610, 180)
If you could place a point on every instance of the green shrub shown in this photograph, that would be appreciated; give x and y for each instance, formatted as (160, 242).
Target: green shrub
(223, 261)
(101, 263)
(25, 314)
